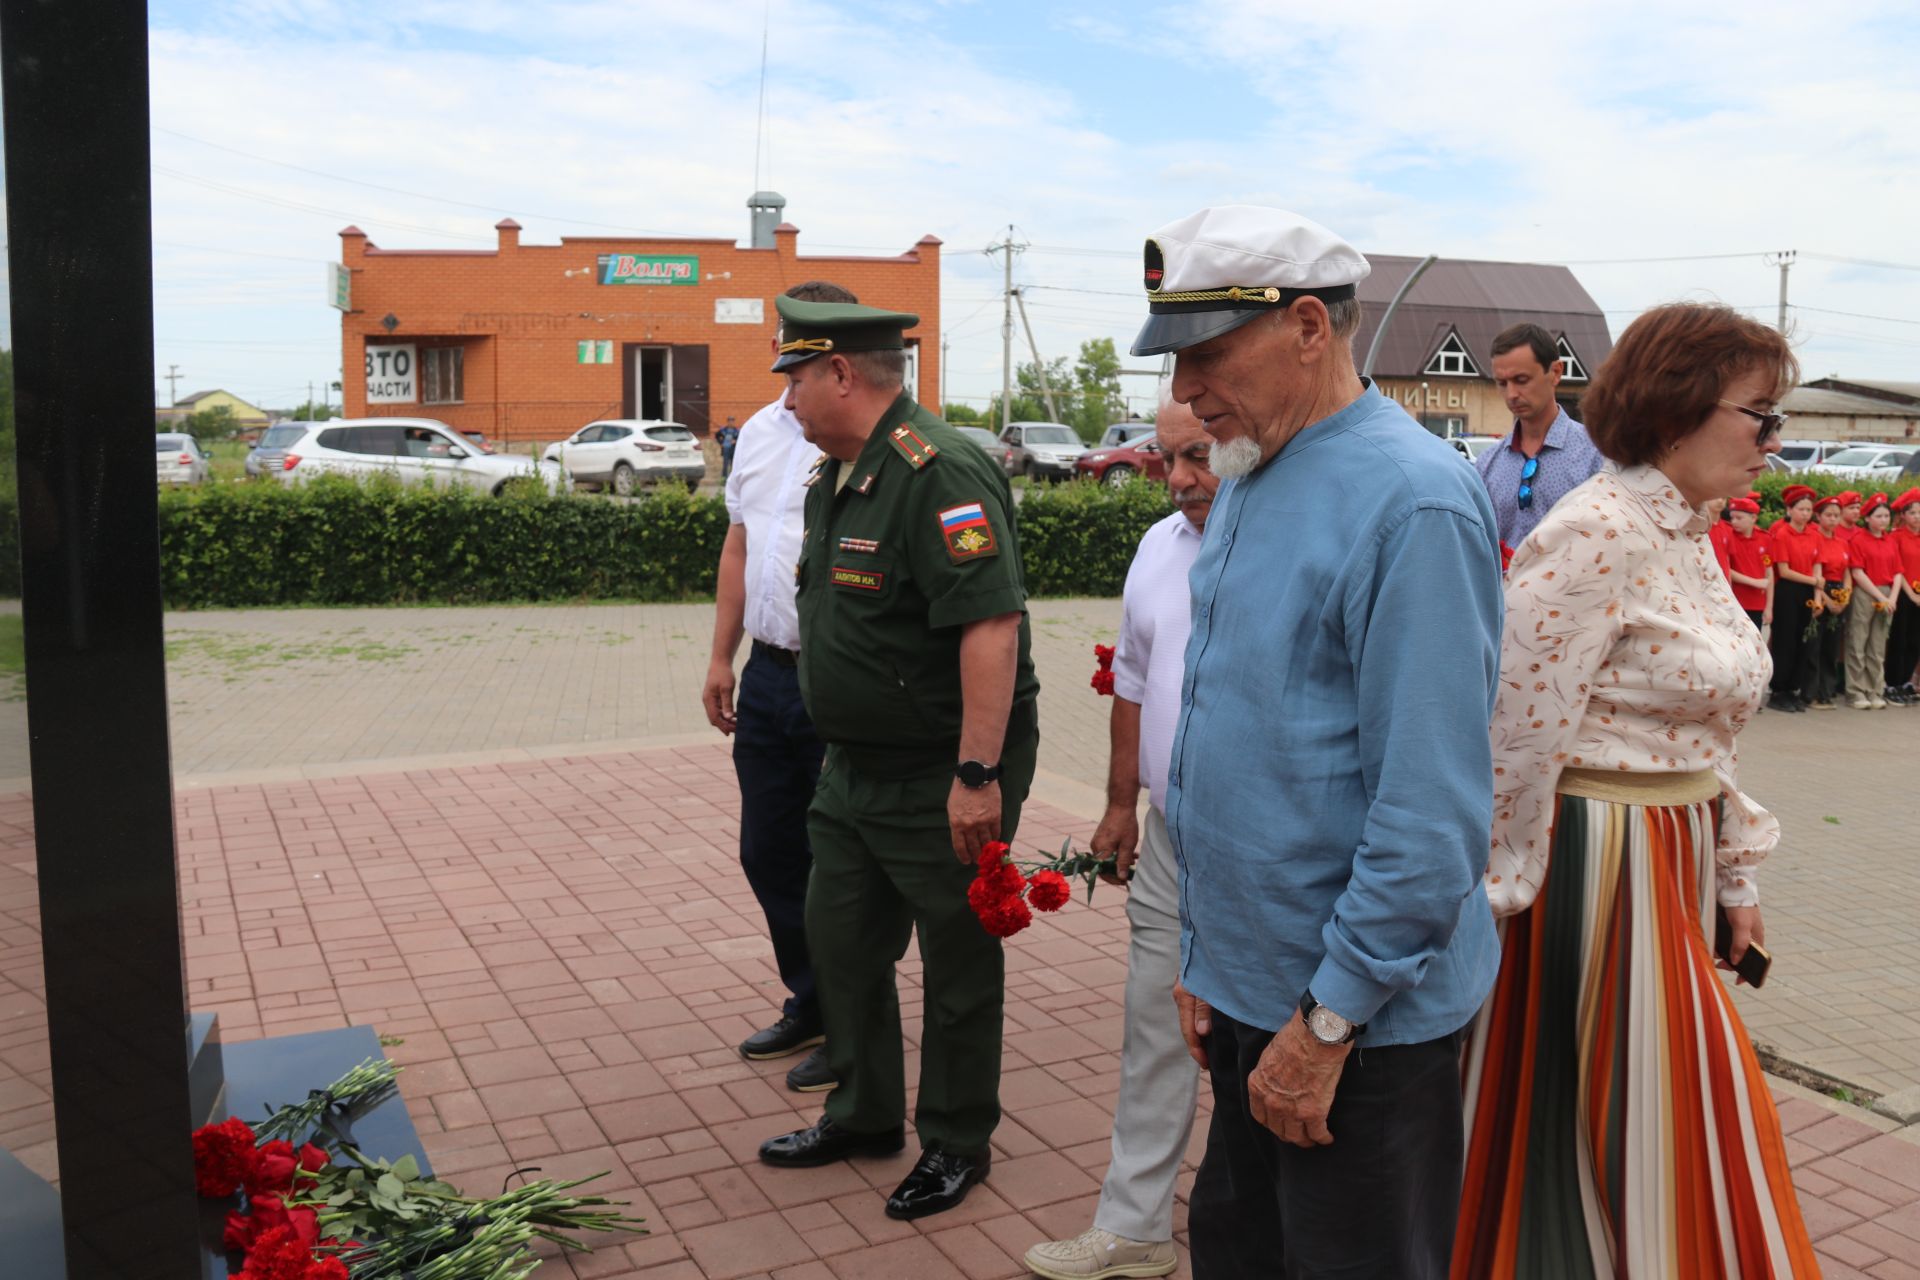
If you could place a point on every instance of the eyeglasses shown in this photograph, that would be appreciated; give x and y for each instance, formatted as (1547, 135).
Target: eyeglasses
(1527, 473)
(1771, 424)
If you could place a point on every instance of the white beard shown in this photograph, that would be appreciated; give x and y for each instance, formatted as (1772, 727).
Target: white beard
(1234, 459)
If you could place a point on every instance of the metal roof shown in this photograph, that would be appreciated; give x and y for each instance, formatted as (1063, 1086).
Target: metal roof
(1821, 400)
(1871, 388)
(1478, 299)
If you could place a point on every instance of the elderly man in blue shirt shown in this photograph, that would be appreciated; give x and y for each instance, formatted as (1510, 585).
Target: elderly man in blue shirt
(1547, 455)
(1329, 795)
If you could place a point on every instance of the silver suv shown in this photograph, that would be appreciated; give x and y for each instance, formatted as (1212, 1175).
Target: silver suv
(1041, 450)
(412, 450)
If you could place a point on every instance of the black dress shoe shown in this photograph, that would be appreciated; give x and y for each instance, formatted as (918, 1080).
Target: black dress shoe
(826, 1142)
(784, 1038)
(938, 1183)
(813, 1075)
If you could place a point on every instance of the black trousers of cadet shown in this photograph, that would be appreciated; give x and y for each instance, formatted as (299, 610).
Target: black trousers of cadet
(777, 756)
(1792, 670)
(1381, 1201)
(1903, 643)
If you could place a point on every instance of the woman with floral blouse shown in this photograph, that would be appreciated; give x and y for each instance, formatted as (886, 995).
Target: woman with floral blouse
(1618, 1121)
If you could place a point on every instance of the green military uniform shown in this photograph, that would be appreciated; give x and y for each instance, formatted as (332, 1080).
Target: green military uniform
(903, 548)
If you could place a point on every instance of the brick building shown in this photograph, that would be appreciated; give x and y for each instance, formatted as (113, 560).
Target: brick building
(531, 342)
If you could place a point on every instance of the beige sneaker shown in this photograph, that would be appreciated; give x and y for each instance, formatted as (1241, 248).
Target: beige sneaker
(1097, 1254)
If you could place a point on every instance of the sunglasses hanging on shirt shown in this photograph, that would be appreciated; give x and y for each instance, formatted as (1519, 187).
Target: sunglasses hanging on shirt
(1527, 473)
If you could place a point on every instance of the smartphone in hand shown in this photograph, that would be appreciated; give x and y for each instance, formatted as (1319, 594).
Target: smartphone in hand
(1753, 965)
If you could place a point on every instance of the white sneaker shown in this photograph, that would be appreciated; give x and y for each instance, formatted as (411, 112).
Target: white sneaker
(1861, 704)
(1097, 1254)
(1878, 702)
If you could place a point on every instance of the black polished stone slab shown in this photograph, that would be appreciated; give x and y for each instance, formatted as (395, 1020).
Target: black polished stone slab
(266, 1074)
(80, 270)
(30, 1233)
(206, 1070)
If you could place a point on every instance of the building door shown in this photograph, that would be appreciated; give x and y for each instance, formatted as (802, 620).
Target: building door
(689, 385)
(652, 385)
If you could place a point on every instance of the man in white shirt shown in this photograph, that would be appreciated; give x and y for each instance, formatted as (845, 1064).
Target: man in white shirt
(776, 754)
(1132, 1232)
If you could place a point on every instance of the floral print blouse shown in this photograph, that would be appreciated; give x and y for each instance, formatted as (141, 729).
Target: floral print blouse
(1623, 649)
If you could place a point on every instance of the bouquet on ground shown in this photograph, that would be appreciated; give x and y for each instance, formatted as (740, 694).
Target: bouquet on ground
(1004, 898)
(308, 1216)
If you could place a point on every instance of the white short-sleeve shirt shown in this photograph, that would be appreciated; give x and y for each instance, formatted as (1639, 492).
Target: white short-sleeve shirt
(1150, 657)
(766, 492)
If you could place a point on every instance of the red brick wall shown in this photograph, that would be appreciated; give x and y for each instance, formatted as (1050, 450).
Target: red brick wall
(521, 317)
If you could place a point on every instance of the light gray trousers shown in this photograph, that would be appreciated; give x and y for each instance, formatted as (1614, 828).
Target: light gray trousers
(1154, 1117)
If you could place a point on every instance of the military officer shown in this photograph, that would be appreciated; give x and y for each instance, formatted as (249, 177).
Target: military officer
(915, 666)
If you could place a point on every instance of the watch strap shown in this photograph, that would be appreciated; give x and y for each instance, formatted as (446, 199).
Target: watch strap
(1308, 1004)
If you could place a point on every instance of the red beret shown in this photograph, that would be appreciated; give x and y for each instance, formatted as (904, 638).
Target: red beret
(1747, 505)
(1753, 495)
(1873, 503)
(1821, 504)
(1847, 497)
(1907, 499)
(1794, 492)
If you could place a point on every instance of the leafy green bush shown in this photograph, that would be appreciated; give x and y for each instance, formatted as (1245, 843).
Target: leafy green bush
(1771, 483)
(1078, 539)
(336, 542)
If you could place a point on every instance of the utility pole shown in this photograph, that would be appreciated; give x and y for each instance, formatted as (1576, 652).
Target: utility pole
(1046, 388)
(1784, 261)
(309, 397)
(946, 345)
(1007, 247)
(173, 388)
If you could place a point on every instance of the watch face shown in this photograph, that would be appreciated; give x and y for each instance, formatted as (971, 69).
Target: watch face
(1328, 1026)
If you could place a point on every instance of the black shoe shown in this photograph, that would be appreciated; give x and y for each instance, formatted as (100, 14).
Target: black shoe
(938, 1183)
(813, 1075)
(784, 1038)
(826, 1142)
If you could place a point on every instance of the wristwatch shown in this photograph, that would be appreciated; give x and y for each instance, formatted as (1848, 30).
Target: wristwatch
(1327, 1026)
(973, 775)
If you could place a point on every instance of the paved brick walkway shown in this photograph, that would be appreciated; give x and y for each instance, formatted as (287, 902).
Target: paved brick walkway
(568, 953)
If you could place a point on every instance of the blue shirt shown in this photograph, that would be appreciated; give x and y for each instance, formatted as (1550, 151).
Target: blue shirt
(1331, 791)
(1567, 457)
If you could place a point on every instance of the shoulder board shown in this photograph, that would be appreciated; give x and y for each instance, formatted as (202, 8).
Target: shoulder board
(908, 444)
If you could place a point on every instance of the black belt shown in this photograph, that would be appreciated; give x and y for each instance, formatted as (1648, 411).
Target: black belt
(776, 655)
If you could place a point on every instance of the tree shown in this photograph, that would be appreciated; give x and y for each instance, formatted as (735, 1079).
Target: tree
(217, 423)
(1096, 384)
(958, 414)
(311, 412)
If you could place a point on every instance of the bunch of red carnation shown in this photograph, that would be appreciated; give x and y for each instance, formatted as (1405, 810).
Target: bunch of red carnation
(228, 1158)
(1103, 674)
(1506, 557)
(1005, 900)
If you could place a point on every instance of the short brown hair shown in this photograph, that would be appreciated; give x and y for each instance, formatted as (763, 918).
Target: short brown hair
(820, 291)
(1531, 336)
(1668, 372)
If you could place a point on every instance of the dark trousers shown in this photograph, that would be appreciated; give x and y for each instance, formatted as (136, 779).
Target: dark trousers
(1757, 618)
(1903, 643)
(1825, 657)
(777, 756)
(1381, 1201)
(1790, 648)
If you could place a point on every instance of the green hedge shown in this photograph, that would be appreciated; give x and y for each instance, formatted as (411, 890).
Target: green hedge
(1078, 539)
(335, 542)
(1770, 485)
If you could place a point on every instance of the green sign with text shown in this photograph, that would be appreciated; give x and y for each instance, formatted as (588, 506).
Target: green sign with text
(649, 268)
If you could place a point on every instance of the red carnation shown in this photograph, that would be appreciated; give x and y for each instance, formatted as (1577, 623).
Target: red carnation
(1103, 683)
(1506, 557)
(993, 853)
(1103, 654)
(327, 1269)
(279, 1254)
(269, 1214)
(1008, 918)
(272, 1172)
(1048, 891)
(223, 1157)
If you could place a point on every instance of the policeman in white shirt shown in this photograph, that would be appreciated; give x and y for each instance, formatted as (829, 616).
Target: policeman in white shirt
(776, 754)
(1132, 1232)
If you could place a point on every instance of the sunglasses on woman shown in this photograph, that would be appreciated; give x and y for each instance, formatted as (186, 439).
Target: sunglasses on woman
(1771, 424)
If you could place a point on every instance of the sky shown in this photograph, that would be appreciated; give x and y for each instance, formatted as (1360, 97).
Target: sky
(1705, 134)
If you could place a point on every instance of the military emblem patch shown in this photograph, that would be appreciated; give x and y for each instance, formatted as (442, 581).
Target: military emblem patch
(968, 534)
(859, 579)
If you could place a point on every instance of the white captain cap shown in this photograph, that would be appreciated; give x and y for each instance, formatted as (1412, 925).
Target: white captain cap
(1215, 270)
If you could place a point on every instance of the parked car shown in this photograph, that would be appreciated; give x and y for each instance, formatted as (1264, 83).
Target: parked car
(1140, 457)
(1041, 450)
(1866, 461)
(1471, 447)
(624, 453)
(1123, 433)
(414, 450)
(178, 460)
(989, 444)
(479, 438)
(269, 452)
(1912, 469)
(1802, 454)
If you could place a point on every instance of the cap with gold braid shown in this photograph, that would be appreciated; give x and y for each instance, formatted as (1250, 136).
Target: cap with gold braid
(809, 329)
(1213, 271)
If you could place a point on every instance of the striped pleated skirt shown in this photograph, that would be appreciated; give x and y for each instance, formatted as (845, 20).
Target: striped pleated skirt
(1618, 1123)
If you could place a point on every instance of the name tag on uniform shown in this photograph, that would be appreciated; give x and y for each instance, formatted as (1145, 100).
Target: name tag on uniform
(858, 579)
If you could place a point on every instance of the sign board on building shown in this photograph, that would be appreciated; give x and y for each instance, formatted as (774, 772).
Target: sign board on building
(594, 351)
(339, 286)
(648, 268)
(391, 374)
(739, 311)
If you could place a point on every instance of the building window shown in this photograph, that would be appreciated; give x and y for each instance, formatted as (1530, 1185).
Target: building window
(1452, 358)
(443, 369)
(1571, 370)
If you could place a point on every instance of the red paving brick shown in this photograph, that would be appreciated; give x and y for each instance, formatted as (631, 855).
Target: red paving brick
(567, 968)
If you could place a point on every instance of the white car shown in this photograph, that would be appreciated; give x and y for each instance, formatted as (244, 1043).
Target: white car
(1041, 450)
(624, 453)
(414, 451)
(1471, 447)
(1866, 461)
(178, 460)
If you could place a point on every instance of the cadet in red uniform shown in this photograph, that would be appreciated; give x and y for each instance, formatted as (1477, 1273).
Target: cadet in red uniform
(1903, 641)
(1745, 556)
(1876, 573)
(1794, 545)
(1850, 507)
(1831, 599)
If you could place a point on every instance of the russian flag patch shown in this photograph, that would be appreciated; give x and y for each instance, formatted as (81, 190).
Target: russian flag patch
(968, 533)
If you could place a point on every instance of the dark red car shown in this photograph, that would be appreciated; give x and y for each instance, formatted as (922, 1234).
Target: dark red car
(1118, 465)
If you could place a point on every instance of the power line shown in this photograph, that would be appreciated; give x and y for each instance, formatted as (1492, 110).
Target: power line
(1684, 257)
(1866, 262)
(1856, 315)
(303, 207)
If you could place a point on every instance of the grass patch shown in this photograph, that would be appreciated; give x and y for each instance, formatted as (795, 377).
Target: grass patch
(13, 645)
